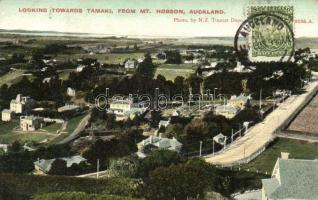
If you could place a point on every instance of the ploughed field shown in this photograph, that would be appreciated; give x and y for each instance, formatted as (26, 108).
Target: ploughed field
(306, 120)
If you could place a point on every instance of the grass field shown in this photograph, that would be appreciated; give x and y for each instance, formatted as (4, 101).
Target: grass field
(52, 128)
(171, 71)
(11, 77)
(71, 126)
(7, 127)
(109, 58)
(23, 137)
(297, 149)
(8, 135)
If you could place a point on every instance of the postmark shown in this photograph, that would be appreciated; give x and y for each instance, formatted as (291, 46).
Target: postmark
(266, 35)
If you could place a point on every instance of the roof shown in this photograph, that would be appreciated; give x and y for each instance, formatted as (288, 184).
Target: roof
(45, 165)
(226, 108)
(297, 179)
(67, 107)
(240, 97)
(160, 142)
(121, 101)
(31, 117)
(7, 111)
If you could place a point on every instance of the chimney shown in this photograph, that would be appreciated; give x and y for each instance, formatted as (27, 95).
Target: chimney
(285, 155)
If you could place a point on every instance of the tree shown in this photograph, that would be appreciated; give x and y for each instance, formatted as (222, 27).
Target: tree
(196, 130)
(15, 146)
(17, 58)
(173, 57)
(159, 158)
(146, 67)
(176, 182)
(155, 118)
(58, 167)
(123, 167)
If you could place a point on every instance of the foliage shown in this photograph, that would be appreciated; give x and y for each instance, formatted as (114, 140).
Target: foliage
(29, 185)
(173, 57)
(146, 67)
(123, 145)
(123, 167)
(58, 167)
(22, 162)
(190, 180)
(78, 196)
(159, 158)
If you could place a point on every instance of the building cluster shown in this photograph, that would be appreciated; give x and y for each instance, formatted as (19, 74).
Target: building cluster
(43, 166)
(153, 143)
(20, 108)
(233, 107)
(98, 49)
(19, 105)
(125, 108)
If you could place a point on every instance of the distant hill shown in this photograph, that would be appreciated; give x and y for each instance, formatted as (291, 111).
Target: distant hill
(301, 42)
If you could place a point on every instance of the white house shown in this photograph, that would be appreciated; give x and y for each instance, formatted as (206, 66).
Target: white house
(154, 142)
(71, 92)
(80, 68)
(292, 179)
(227, 111)
(131, 64)
(30, 123)
(7, 115)
(21, 104)
(120, 107)
(164, 123)
(47, 80)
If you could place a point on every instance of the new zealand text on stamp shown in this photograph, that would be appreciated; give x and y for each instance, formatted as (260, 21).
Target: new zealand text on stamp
(267, 34)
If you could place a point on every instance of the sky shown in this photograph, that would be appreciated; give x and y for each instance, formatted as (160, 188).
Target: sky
(153, 24)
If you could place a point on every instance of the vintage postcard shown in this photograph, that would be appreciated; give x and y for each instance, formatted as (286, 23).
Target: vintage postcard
(158, 100)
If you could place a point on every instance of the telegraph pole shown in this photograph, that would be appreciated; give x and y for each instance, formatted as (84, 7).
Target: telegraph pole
(260, 100)
(200, 148)
(213, 146)
(214, 97)
(97, 170)
(232, 136)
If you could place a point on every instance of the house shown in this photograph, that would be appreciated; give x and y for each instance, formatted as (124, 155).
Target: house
(4, 147)
(131, 64)
(21, 104)
(69, 107)
(153, 142)
(30, 123)
(292, 179)
(71, 92)
(42, 166)
(239, 101)
(120, 107)
(227, 111)
(7, 115)
(47, 80)
(164, 123)
(80, 68)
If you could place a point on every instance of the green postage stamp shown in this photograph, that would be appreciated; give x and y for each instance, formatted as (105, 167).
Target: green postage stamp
(272, 38)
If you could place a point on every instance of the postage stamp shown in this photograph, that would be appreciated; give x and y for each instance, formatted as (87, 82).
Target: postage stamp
(267, 34)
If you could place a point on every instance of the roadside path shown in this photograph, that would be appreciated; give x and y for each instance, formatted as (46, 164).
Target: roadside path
(80, 127)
